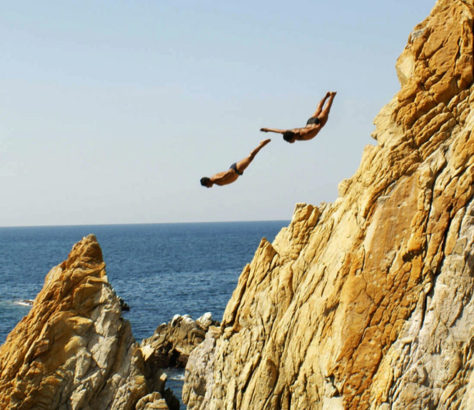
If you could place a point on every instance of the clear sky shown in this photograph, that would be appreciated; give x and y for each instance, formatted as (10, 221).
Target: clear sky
(111, 111)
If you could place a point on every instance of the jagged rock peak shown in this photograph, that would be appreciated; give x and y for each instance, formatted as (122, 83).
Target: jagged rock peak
(367, 302)
(73, 349)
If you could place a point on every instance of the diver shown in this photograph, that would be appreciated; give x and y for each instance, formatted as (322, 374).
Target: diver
(236, 169)
(313, 125)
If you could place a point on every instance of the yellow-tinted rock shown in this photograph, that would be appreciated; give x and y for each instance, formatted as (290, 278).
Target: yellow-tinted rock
(73, 349)
(367, 302)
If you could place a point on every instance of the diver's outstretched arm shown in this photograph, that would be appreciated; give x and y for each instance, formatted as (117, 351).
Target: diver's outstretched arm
(276, 130)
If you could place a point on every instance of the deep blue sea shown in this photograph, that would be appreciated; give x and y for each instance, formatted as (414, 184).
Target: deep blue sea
(160, 270)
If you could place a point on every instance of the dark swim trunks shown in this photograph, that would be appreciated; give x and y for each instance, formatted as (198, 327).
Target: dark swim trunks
(234, 167)
(313, 120)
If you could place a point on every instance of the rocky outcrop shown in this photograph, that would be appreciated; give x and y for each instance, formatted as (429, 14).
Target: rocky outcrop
(199, 371)
(73, 350)
(173, 342)
(367, 302)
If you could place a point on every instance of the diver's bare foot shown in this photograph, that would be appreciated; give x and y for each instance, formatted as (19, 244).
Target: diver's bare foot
(333, 93)
(264, 142)
(264, 129)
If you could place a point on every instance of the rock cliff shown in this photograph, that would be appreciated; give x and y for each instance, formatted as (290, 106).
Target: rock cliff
(73, 350)
(367, 302)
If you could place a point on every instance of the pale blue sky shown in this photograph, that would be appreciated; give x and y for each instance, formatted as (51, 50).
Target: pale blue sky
(111, 111)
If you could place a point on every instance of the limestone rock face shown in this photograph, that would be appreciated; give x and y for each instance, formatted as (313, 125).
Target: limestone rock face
(367, 302)
(73, 350)
(199, 371)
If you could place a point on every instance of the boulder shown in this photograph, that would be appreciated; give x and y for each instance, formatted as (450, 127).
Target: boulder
(172, 343)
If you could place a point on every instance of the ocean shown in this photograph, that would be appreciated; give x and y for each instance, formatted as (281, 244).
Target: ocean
(158, 269)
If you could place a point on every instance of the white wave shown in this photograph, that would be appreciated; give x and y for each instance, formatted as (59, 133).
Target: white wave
(174, 374)
(178, 377)
(24, 302)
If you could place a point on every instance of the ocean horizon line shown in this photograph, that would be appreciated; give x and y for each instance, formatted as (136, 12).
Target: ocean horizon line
(141, 224)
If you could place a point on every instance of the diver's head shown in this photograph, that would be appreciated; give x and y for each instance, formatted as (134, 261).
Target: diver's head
(205, 181)
(289, 136)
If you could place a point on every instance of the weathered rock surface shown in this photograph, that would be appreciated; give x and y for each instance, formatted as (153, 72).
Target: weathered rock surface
(200, 382)
(73, 350)
(367, 302)
(173, 342)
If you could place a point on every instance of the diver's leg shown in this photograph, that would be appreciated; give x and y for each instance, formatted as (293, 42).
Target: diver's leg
(327, 108)
(244, 163)
(321, 104)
